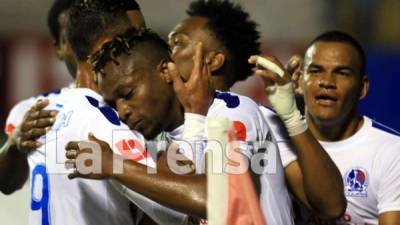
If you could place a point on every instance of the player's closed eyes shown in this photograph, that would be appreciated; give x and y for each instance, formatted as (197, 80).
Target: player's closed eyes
(128, 94)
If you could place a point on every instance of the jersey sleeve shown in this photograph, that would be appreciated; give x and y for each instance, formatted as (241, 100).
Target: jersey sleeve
(388, 192)
(279, 133)
(104, 123)
(17, 114)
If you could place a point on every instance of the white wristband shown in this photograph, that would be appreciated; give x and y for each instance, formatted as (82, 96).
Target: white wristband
(194, 127)
(283, 100)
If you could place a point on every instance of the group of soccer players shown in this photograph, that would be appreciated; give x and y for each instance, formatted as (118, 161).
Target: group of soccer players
(333, 165)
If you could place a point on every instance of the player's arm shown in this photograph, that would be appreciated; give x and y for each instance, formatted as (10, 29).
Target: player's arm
(184, 193)
(314, 164)
(14, 168)
(389, 218)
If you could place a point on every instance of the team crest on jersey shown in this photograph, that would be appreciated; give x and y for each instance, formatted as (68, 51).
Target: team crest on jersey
(356, 182)
(131, 149)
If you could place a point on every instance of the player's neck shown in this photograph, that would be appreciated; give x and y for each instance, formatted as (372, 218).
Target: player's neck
(219, 83)
(85, 78)
(335, 130)
(176, 116)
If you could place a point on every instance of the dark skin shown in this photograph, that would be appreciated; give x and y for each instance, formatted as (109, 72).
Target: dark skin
(37, 121)
(214, 60)
(35, 124)
(86, 78)
(20, 143)
(139, 105)
(182, 41)
(62, 47)
(191, 189)
(304, 174)
(332, 85)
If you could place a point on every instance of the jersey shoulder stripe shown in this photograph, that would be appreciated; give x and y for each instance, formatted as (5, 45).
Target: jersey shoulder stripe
(385, 128)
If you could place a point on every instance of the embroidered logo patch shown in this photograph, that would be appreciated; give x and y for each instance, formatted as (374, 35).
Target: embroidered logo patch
(356, 182)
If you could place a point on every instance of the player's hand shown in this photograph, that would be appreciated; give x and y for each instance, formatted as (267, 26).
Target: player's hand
(281, 91)
(197, 93)
(293, 66)
(269, 75)
(85, 156)
(281, 94)
(36, 123)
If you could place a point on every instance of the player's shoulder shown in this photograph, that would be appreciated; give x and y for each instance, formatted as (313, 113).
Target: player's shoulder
(242, 110)
(77, 97)
(387, 139)
(23, 105)
(233, 102)
(382, 131)
(91, 106)
(266, 110)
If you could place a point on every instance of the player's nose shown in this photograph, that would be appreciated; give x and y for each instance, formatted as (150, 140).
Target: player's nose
(123, 110)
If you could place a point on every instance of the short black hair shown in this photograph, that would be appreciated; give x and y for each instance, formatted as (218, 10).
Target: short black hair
(234, 29)
(92, 19)
(342, 37)
(58, 7)
(125, 44)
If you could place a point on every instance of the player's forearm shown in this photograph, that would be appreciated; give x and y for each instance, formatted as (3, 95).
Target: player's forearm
(322, 180)
(14, 168)
(183, 193)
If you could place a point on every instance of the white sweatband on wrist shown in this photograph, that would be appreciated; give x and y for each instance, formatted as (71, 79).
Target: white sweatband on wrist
(194, 134)
(283, 101)
(194, 127)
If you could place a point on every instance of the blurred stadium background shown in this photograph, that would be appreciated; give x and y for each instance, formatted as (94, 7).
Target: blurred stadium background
(28, 66)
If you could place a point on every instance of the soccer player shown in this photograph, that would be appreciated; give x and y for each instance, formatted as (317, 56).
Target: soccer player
(54, 198)
(229, 38)
(34, 125)
(366, 152)
(141, 67)
(104, 20)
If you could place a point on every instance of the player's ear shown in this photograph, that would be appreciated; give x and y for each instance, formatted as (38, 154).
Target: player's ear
(364, 87)
(163, 70)
(301, 82)
(215, 60)
(60, 52)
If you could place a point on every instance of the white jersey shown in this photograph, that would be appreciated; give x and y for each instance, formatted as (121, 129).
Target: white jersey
(17, 113)
(280, 135)
(54, 198)
(369, 164)
(251, 127)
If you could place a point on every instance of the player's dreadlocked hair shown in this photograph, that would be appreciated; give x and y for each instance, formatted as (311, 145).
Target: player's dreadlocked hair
(234, 29)
(92, 19)
(342, 37)
(58, 7)
(125, 44)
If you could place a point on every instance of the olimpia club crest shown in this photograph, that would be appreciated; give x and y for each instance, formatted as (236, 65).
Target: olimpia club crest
(356, 182)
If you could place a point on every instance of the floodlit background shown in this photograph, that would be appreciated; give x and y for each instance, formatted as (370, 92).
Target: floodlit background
(28, 66)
